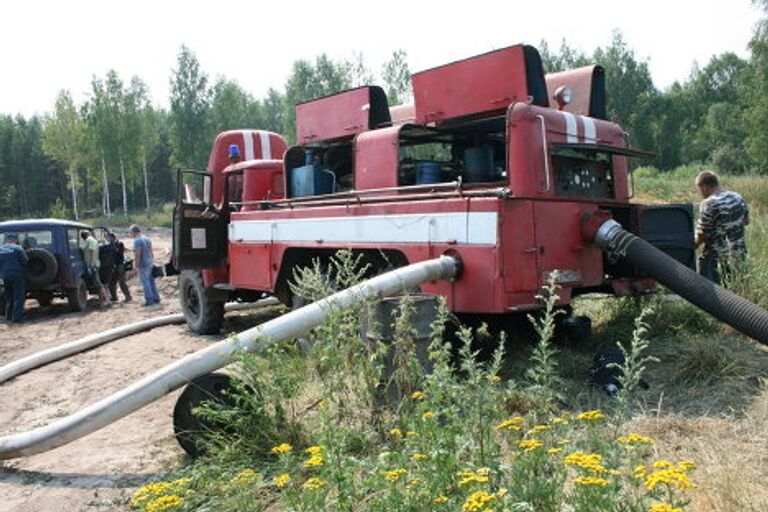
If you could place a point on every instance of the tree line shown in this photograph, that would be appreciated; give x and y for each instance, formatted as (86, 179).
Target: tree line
(115, 151)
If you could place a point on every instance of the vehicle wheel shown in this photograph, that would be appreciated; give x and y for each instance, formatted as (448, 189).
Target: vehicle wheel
(77, 298)
(41, 269)
(203, 315)
(190, 429)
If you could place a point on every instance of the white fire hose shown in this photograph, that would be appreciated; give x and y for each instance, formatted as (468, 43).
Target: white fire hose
(158, 384)
(38, 359)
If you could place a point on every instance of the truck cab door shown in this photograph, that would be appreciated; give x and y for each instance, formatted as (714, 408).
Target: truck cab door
(199, 227)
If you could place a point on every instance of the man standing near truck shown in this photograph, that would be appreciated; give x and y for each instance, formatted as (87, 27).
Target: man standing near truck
(93, 265)
(144, 260)
(118, 272)
(13, 259)
(723, 214)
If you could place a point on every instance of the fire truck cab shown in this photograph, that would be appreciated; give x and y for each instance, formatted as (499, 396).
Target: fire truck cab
(495, 163)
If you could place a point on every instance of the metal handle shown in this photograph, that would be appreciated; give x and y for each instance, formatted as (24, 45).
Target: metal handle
(544, 151)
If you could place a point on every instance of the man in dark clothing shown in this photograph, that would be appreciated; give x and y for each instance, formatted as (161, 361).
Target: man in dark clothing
(13, 259)
(722, 217)
(118, 273)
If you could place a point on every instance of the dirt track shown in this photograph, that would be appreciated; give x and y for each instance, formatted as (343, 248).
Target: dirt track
(97, 472)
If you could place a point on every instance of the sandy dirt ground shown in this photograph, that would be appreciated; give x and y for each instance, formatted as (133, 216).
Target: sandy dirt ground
(97, 472)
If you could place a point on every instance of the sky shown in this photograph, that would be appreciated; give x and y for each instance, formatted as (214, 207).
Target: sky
(46, 46)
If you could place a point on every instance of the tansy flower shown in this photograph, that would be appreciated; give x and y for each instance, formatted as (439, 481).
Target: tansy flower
(418, 395)
(554, 451)
(530, 444)
(396, 432)
(428, 415)
(477, 501)
(164, 503)
(502, 492)
(591, 480)
(664, 507)
(411, 433)
(593, 415)
(282, 448)
(418, 456)
(313, 483)
(662, 464)
(686, 465)
(590, 461)
(635, 439)
(413, 482)
(512, 423)
(440, 499)
(479, 476)
(313, 461)
(244, 477)
(672, 477)
(559, 421)
(541, 428)
(393, 475)
(281, 480)
(494, 378)
(314, 450)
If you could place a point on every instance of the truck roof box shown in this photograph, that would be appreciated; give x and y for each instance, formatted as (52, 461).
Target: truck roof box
(588, 87)
(480, 86)
(342, 115)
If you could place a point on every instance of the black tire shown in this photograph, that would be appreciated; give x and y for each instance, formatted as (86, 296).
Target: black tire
(203, 315)
(188, 428)
(77, 298)
(41, 269)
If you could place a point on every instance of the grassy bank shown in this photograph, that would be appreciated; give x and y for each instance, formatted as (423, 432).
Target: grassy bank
(519, 430)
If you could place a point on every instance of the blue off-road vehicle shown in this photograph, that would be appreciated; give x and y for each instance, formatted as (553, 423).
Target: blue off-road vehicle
(56, 265)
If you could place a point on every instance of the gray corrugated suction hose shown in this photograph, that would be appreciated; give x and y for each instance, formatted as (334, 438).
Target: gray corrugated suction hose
(724, 305)
(175, 375)
(38, 359)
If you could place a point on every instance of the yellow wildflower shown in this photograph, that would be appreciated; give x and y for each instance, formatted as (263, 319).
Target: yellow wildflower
(662, 464)
(541, 428)
(313, 461)
(164, 503)
(244, 477)
(313, 483)
(635, 439)
(530, 444)
(440, 499)
(559, 421)
(396, 432)
(393, 475)
(593, 415)
(418, 395)
(590, 461)
(686, 465)
(282, 448)
(411, 433)
(479, 476)
(428, 415)
(564, 442)
(150, 491)
(512, 423)
(554, 451)
(591, 480)
(477, 501)
(502, 492)
(281, 480)
(670, 476)
(664, 507)
(413, 482)
(418, 456)
(493, 378)
(314, 450)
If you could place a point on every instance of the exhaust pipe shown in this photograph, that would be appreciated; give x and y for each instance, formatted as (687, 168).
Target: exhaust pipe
(175, 375)
(723, 304)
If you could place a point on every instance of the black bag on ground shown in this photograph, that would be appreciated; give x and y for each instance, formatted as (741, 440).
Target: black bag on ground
(606, 372)
(157, 271)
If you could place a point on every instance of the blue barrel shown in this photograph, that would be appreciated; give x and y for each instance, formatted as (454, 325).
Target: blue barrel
(311, 180)
(478, 163)
(427, 172)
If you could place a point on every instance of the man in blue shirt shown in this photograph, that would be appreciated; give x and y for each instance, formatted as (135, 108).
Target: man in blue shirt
(144, 260)
(13, 259)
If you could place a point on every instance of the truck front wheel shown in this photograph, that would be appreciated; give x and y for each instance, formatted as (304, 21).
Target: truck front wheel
(203, 315)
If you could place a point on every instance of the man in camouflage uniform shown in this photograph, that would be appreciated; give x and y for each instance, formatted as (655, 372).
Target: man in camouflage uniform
(722, 217)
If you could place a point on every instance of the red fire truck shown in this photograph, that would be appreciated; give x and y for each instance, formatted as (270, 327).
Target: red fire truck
(495, 163)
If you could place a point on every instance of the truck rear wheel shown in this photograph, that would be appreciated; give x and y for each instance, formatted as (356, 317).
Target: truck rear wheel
(203, 315)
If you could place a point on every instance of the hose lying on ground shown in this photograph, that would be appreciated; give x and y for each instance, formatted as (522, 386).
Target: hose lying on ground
(50, 355)
(175, 375)
(724, 305)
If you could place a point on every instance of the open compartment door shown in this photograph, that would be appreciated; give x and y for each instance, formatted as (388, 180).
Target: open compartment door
(199, 228)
